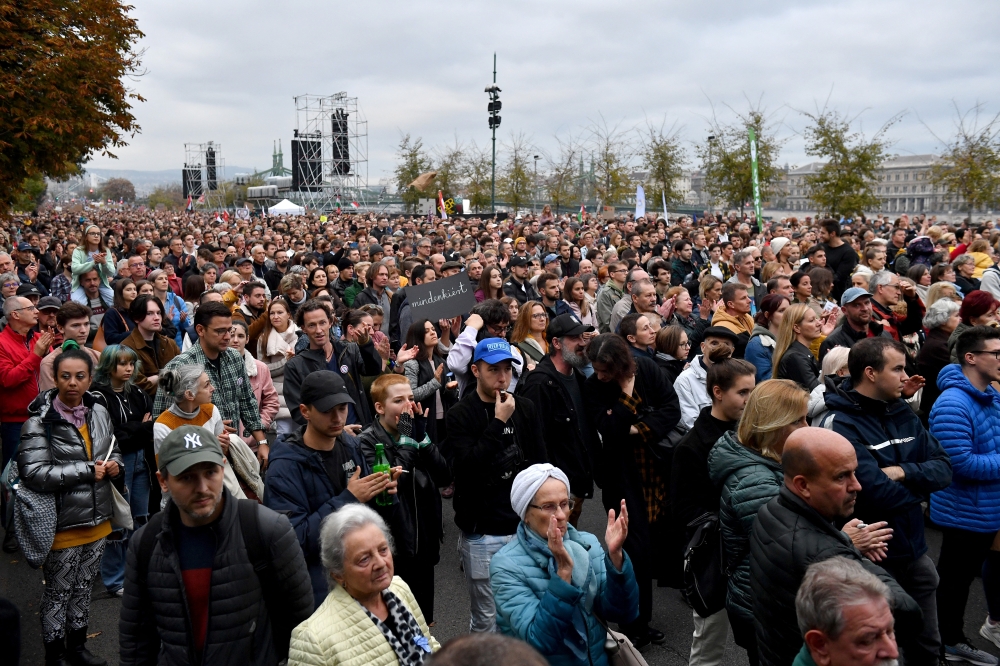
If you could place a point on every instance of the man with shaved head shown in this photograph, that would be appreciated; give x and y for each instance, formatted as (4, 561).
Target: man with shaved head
(800, 527)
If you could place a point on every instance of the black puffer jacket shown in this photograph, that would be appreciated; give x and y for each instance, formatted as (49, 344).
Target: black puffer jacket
(154, 625)
(570, 438)
(799, 365)
(352, 359)
(52, 458)
(417, 529)
(788, 536)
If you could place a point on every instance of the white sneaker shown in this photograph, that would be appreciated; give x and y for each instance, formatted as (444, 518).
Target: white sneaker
(990, 631)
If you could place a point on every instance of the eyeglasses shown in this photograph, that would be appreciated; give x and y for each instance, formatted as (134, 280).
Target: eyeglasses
(26, 307)
(995, 353)
(8, 285)
(540, 315)
(550, 507)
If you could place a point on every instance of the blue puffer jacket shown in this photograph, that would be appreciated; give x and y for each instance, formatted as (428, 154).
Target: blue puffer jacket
(888, 435)
(967, 423)
(298, 486)
(748, 481)
(537, 606)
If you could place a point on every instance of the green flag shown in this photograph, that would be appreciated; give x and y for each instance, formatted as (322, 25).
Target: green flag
(756, 179)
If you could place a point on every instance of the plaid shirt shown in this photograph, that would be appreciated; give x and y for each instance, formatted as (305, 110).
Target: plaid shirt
(233, 395)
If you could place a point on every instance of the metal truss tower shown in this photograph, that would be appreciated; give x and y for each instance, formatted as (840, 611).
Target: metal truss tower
(204, 175)
(329, 153)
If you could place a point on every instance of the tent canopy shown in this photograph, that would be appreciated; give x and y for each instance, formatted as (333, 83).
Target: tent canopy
(286, 207)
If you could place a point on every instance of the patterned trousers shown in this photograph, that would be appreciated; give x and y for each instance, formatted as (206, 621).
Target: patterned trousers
(69, 577)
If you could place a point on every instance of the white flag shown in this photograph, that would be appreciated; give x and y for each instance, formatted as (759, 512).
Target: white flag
(666, 215)
(640, 202)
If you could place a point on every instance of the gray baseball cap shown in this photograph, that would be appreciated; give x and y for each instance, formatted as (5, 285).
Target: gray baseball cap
(187, 446)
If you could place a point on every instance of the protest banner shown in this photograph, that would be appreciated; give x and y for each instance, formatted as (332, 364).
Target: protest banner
(441, 299)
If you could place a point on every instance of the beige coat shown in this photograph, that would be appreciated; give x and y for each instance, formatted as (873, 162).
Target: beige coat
(340, 633)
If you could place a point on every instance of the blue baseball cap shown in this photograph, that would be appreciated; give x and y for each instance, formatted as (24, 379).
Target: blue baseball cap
(492, 350)
(549, 258)
(853, 294)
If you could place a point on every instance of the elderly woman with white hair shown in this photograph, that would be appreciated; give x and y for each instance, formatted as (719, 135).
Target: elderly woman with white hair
(834, 370)
(370, 617)
(940, 320)
(555, 587)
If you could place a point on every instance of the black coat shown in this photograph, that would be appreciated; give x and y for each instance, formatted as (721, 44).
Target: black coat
(931, 359)
(789, 535)
(358, 359)
(475, 446)
(417, 528)
(570, 438)
(692, 492)
(799, 365)
(155, 626)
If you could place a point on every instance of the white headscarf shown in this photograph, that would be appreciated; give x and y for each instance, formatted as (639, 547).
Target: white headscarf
(527, 483)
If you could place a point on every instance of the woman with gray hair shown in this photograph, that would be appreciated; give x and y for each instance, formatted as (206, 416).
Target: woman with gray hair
(844, 613)
(554, 587)
(370, 616)
(965, 268)
(940, 320)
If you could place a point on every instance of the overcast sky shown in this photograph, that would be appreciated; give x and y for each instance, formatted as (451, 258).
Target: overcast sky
(227, 71)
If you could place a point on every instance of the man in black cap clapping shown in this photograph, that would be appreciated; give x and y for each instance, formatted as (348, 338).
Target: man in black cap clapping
(555, 386)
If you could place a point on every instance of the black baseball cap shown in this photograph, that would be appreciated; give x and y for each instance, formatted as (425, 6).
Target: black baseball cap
(566, 324)
(243, 260)
(324, 390)
(516, 260)
(28, 289)
(49, 303)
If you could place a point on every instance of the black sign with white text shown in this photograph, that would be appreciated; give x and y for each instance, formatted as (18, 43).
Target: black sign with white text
(442, 299)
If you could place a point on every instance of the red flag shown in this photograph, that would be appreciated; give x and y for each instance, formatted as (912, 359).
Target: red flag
(190, 206)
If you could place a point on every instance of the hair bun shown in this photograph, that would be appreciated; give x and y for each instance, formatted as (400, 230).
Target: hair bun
(70, 344)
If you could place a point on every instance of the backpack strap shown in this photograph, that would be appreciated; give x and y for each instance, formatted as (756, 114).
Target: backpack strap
(250, 526)
(146, 545)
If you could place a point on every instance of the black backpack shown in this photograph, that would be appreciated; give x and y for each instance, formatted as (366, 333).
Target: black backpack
(257, 551)
(705, 571)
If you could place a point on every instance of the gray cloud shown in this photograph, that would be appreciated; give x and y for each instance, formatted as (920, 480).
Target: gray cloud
(227, 71)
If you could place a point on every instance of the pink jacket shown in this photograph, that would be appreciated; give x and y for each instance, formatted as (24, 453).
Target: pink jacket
(263, 390)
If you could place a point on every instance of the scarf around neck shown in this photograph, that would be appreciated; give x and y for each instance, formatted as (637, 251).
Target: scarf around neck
(75, 415)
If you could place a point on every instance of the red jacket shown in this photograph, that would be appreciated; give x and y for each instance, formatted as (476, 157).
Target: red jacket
(18, 375)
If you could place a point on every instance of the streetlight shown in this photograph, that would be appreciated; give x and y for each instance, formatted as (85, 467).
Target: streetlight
(494, 110)
(534, 203)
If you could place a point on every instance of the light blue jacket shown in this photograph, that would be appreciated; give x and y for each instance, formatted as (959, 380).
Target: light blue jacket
(557, 618)
(966, 421)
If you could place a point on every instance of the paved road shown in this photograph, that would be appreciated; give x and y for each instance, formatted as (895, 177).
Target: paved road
(23, 586)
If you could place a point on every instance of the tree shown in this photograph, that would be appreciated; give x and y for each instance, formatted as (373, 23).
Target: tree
(62, 96)
(612, 152)
(969, 169)
(845, 185)
(118, 189)
(412, 162)
(514, 182)
(726, 159)
(31, 194)
(561, 184)
(449, 168)
(663, 157)
(478, 170)
(171, 196)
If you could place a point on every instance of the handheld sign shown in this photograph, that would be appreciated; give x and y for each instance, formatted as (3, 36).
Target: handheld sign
(441, 299)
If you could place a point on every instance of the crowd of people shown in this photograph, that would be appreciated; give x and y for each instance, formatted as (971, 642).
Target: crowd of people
(246, 432)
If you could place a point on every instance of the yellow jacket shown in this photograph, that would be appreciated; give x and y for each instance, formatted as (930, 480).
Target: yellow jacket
(340, 633)
(737, 325)
(983, 262)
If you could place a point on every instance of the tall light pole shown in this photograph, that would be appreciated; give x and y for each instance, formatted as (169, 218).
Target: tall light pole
(494, 111)
(535, 197)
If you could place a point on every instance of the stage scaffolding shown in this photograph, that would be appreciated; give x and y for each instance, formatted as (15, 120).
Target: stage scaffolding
(204, 175)
(329, 153)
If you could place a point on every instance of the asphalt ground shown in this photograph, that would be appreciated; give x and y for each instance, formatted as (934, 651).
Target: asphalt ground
(23, 585)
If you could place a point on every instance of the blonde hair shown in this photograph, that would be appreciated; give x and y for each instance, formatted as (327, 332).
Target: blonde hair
(773, 405)
(835, 360)
(771, 269)
(792, 317)
(937, 291)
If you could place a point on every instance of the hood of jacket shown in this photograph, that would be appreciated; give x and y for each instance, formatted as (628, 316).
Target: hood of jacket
(842, 397)
(741, 324)
(762, 331)
(952, 377)
(729, 456)
(41, 406)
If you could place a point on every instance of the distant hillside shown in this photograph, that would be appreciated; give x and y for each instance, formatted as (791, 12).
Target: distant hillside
(146, 181)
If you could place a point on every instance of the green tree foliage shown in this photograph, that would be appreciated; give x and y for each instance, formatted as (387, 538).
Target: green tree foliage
(171, 196)
(726, 159)
(412, 161)
(845, 185)
(118, 189)
(62, 96)
(478, 170)
(515, 179)
(31, 194)
(612, 152)
(663, 157)
(969, 170)
(561, 182)
(450, 169)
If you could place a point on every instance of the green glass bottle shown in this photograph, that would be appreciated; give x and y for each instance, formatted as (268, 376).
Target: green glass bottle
(381, 465)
